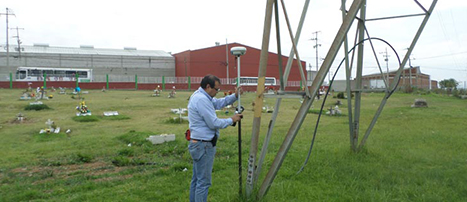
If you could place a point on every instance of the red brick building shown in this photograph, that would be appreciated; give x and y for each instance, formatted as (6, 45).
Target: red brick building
(213, 60)
(409, 77)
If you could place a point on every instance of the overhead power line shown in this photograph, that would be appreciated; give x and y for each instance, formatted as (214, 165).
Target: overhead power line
(439, 56)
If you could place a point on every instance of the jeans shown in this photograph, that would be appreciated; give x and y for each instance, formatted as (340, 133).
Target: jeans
(203, 160)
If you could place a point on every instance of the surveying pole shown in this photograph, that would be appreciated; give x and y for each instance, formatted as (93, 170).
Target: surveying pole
(237, 52)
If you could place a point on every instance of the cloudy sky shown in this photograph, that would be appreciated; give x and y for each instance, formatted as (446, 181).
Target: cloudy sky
(179, 25)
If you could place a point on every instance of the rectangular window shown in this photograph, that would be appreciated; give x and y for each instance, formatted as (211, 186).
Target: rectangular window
(35, 72)
(21, 74)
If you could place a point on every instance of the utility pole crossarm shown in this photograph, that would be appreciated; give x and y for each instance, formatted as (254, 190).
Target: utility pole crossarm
(18, 39)
(316, 46)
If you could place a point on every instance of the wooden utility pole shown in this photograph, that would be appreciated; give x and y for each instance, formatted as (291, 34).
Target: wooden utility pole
(386, 56)
(263, 63)
(7, 13)
(316, 47)
(18, 40)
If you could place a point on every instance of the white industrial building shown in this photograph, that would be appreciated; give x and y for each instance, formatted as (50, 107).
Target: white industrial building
(120, 64)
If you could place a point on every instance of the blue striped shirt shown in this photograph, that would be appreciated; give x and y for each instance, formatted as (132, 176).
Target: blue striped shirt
(202, 114)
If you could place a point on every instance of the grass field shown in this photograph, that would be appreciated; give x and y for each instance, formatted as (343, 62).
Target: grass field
(413, 154)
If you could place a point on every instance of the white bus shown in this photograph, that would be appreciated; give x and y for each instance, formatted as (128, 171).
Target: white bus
(53, 74)
(253, 81)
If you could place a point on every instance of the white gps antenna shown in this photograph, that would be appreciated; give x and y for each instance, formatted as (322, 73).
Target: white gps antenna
(237, 52)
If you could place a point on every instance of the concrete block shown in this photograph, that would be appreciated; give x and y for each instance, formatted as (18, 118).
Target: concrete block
(159, 139)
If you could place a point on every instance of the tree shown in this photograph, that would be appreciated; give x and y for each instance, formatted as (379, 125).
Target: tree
(448, 84)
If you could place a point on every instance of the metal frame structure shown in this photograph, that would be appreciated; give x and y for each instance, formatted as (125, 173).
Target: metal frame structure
(349, 16)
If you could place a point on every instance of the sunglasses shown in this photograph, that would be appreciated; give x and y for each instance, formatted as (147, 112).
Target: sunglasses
(217, 89)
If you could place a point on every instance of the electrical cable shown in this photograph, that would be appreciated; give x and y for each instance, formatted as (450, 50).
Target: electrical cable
(330, 84)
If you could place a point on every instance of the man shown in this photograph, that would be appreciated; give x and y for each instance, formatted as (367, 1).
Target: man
(204, 128)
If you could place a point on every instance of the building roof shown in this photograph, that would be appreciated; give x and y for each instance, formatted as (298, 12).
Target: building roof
(417, 68)
(231, 44)
(85, 50)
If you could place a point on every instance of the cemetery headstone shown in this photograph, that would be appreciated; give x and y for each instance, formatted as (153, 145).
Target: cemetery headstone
(41, 94)
(83, 109)
(334, 111)
(51, 127)
(157, 92)
(268, 109)
(159, 139)
(25, 96)
(36, 103)
(420, 103)
(62, 90)
(20, 117)
(180, 112)
(172, 93)
(111, 113)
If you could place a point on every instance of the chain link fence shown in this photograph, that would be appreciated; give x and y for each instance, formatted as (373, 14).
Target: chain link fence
(142, 79)
(4, 77)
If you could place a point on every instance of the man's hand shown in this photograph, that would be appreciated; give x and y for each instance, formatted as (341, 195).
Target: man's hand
(237, 117)
(238, 90)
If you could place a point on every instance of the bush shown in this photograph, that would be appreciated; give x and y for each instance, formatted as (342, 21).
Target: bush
(36, 107)
(439, 91)
(462, 92)
(455, 93)
(340, 95)
(421, 91)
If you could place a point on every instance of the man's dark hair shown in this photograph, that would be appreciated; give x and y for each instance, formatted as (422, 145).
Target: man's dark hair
(211, 80)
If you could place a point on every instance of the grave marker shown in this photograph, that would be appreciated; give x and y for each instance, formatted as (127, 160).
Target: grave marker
(420, 103)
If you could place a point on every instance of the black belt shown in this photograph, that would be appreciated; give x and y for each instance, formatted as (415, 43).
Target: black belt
(213, 140)
(202, 140)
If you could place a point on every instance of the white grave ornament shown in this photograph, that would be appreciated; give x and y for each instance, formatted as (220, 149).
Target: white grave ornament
(36, 103)
(111, 113)
(51, 128)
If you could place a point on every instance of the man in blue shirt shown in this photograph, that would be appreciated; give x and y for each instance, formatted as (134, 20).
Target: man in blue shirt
(204, 128)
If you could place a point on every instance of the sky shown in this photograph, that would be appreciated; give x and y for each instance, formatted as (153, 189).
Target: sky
(178, 25)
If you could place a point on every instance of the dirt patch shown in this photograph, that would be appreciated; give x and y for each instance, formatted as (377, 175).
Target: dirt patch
(66, 171)
(24, 121)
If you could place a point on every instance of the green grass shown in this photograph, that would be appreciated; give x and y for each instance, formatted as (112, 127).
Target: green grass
(89, 118)
(115, 118)
(412, 154)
